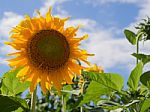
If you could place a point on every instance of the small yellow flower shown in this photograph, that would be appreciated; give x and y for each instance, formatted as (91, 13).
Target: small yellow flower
(47, 51)
(95, 68)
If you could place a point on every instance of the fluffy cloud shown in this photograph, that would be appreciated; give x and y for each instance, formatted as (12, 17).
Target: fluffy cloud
(109, 51)
(87, 25)
(57, 4)
(3, 61)
(144, 10)
(102, 2)
(9, 20)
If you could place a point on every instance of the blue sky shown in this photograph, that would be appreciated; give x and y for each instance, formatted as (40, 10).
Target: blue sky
(103, 20)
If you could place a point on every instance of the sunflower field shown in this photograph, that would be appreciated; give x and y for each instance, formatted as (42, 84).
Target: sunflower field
(51, 73)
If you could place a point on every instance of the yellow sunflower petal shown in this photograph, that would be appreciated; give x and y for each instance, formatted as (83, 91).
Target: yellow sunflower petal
(34, 82)
(18, 63)
(43, 84)
(68, 77)
(77, 40)
(57, 81)
(15, 59)
(75, 67)
(48, 15)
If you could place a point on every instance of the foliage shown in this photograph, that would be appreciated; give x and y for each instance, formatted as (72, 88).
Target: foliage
(10, 103)
(91, 92)
(12, 85)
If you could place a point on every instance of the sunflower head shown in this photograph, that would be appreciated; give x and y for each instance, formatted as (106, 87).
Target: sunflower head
(46, 51)
(95, 68)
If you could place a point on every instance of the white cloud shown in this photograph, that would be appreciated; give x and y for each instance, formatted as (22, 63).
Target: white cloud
(109, 51)
(86, 25)
(9, 20)
(84, 22)
(3, 61)
(144, 10)
(5, 49)
(102, 2)
(56, 3)
(61, 12)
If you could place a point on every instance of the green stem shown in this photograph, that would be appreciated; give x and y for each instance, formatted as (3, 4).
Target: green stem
(63, 104)
(81, 109)
(137, 50)
(137, 44)
(33, 101)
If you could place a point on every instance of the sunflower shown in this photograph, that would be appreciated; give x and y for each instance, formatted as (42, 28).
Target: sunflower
(95, 68)
(47, 52)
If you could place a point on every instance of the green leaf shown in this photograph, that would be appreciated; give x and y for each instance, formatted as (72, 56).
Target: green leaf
(18, 110)
(134, 77)
(144, 58)
(130, 36)
(108, 80)
(9, 103)
(4, 89)
(12, 85)
(145, 105)
(145, 79)
(67, 87)
(102, 84)
(94, 91)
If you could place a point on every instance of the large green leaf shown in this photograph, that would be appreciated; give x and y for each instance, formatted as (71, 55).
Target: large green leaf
(12, 85)
(9, 103)
(134, 77)
(145, 105)
(145, 79)
(94, 91)
(102, 84)
(109, 80)
(144, 58)
(130, 36)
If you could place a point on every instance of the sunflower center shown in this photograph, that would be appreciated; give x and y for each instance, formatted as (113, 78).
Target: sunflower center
(48, 50)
